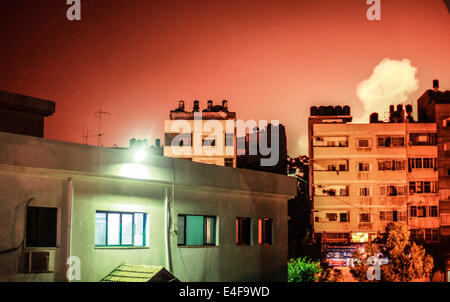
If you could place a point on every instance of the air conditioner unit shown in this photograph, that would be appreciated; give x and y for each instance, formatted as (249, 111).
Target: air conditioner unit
(35, 262)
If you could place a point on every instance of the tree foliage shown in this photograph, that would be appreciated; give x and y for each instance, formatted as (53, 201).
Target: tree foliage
(303, 269)
(361, 263)
(407, 260)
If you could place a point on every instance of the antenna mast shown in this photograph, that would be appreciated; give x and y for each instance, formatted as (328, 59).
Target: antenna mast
(99, 114)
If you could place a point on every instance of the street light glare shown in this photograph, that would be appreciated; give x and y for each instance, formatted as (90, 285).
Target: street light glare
(140, 155)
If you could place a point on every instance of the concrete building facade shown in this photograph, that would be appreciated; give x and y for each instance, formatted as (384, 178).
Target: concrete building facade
(364, 176)
(96, 205)
(201, 141)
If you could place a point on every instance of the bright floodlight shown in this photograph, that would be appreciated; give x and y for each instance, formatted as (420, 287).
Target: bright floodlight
(140, 155)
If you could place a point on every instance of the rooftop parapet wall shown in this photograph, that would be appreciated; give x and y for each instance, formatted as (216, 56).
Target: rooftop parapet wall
(30, 152)
(23, 103)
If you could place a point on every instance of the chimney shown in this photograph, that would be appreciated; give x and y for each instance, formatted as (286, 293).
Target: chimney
(436, 85)
(196, 106)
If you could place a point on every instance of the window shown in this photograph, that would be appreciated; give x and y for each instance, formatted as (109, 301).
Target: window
(178, 139)
(433, 211)
(401, 215)
(364, 191)
(363, 167)
(243, 230)
(392, 190)
(119, 229)
(331, 216)
(413, 211)
(363, 143)
(344, 217)
(196, 230)
(228, 162)
(329, 141)
(364, 217)
(209, 142)
(422, 187)
(391, 165)
(422, 163)
(393, 215)
(41, 227)
(265, 231)
(390, 141)
(422, 139)
(229, 139)
(422, 211)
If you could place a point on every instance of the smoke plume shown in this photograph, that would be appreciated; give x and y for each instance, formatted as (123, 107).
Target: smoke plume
(391, 82)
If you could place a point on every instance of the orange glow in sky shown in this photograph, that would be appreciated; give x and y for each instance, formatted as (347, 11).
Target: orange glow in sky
(269, 59)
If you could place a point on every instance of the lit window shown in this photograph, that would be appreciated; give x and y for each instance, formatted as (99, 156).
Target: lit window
(265, 231)
(119, 229)
(243, 229)
(196, 230)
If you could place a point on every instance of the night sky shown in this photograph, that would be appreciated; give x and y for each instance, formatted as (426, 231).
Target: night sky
(269, 59)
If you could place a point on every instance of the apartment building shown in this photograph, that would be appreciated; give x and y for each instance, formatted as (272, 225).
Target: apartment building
(76, 208)
(364, 176)
(434, 107)
(206, 136)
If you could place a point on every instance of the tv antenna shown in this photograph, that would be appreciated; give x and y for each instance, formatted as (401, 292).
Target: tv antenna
(100, 134)
(85, 136)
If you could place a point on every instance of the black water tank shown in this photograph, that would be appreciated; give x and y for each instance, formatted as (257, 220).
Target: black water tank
(391, 108)
(346, 110)
(322, 110)
(409, 108)
(331, 110)
(339, 110)
(399, 107)
(313, 111)
(374, 117)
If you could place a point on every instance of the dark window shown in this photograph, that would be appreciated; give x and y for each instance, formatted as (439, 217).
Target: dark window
(243, 229)
(196, 230)
(434, 211)
(228, 162)
(342, 167)
(265, 231)
(343, 217)
(364, 217)
(422, 139)
(413, 211)
(41, 227)
(178, 139)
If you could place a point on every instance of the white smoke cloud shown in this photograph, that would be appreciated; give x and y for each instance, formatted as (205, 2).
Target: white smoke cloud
(391, 82)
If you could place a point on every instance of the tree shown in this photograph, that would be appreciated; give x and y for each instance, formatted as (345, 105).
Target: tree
(407, 260)
(362, 262)
(303, 269)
